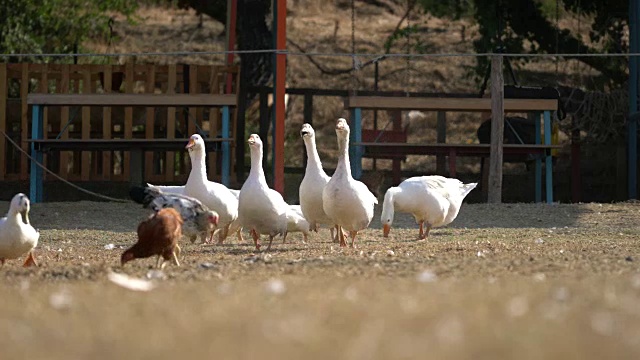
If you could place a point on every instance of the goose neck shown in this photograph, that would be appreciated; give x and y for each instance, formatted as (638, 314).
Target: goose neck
(198, 164)
(313, 159)
(256, 163)
(343, 157)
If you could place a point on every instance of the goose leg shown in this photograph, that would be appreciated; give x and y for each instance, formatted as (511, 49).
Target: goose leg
(239, 234)
(29, 261)
(304, 238)
(353, 238)
(421, 236)
(158, 262)
(270, 241)
(426, 233)
(341, 235)
(284, 237)
(256, 237)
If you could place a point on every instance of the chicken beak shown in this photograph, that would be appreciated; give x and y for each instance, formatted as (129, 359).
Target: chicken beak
(190, 144)
(385, 230)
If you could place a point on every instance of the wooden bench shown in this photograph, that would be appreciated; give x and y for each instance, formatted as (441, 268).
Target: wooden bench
(383, 137)
(537, 106)
(39, 145)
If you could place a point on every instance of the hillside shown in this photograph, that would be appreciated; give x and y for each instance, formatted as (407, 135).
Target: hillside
(325, 27)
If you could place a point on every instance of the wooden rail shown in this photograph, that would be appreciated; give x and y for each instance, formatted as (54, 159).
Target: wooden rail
(124, 118)
(536, 106)
(133, 167)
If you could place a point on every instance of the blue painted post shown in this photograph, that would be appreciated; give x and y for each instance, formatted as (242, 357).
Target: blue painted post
(538, 171)
(549, 164)
(355, 152)
(226, 154)
(36, 175)
(632, 128)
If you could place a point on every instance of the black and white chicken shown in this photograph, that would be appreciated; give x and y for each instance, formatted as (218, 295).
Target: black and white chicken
(198, 219)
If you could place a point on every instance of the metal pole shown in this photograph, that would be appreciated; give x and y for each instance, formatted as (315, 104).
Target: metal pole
(281, 64)
(632, 129)
(497, 130)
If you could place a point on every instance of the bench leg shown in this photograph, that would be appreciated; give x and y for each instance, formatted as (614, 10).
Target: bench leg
(136, 172)
(452, 163)
(538, 169)
(226, 152)
(36, 172)
(355, 152)
(548, 163)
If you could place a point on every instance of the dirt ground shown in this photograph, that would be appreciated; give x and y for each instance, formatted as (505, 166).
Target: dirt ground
(523, 281)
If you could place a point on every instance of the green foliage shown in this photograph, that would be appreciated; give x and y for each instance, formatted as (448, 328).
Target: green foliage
(453, 9)
(55, 26)
(508, 25)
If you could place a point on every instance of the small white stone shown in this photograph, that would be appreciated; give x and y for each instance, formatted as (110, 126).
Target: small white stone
(156, 275)
(539, 277)
(539, 241)
(61, 300)
(276, 286)
(109, 247)
(427, 276)
(390, 253)
(351, 294)
(267, 258)
(518, 306)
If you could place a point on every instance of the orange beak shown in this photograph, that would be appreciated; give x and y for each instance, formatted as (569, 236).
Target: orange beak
(190, 144)
(385, 230)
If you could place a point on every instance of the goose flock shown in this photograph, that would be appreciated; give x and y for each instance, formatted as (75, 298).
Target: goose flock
(340, 202)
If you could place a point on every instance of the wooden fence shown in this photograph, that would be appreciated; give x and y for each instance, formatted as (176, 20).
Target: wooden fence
(18, 80)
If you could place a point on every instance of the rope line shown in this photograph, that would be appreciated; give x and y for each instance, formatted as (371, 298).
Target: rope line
(342, 54)
(60, 178)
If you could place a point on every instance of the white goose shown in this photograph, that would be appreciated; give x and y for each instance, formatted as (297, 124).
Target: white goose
(215, 196)
(296, 222)
(261, 210)
(17, 236)
(313, 183)
(347, 201)
(433, 201)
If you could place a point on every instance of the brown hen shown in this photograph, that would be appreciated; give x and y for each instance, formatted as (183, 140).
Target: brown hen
(158, 235)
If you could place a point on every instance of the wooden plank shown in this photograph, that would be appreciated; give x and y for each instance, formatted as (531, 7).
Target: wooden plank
(447, 104)
(441, 138)
(128, 116)
(24, 119)
(106, 124)
(497, 131)
(64, 118)
(160, 100)
(402, 145)
(214, 121)
(149, 87)
(193, 89)
(3, 119)
(85, 167)
(171, 123)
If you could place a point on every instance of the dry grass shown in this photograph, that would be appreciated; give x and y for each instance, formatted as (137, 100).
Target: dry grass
(519, 281)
